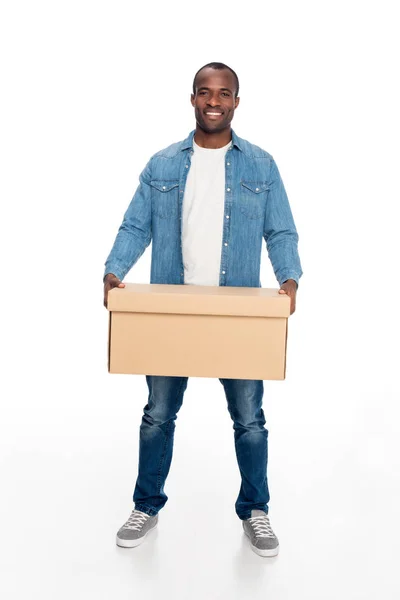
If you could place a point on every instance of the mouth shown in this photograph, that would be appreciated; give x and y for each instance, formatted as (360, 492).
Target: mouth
(212, 114)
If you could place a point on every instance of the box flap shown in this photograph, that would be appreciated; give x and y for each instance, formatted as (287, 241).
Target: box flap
(199, 299)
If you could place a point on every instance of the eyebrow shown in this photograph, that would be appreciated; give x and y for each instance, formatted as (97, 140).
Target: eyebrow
(220, 89)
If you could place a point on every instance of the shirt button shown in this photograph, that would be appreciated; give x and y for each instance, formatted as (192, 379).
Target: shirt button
(223, 272)
(228, 189)
(163, 187)
(187, 166)
(225, 244)
(228, 164)
(257, 189)
(227, 216)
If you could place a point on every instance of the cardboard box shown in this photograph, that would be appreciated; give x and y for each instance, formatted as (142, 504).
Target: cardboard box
(198, 331)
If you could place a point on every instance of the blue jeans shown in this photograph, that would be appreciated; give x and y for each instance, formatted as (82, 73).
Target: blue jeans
(244, 398)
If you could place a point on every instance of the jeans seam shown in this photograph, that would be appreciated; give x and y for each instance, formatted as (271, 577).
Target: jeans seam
(162, 458)
(166, 442)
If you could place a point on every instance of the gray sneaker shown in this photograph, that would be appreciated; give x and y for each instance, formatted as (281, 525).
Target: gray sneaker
(135, 529)
(263, 541)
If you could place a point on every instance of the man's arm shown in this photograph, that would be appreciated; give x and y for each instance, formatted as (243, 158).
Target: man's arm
(281, 237)
(134, 234)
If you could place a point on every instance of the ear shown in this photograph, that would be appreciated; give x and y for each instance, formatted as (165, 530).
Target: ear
(192, 99)
(237, 100)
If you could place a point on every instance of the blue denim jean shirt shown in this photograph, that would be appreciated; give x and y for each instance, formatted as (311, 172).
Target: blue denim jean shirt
(255, 207)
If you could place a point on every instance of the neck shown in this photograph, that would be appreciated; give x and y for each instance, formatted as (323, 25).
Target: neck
(212, 140)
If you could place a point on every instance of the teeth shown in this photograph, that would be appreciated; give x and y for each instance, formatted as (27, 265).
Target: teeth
(216, 114)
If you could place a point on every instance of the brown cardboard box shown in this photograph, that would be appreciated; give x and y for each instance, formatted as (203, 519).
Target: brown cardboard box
(198, 331)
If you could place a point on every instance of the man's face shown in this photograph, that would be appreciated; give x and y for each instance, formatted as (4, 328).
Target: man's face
(214, 101)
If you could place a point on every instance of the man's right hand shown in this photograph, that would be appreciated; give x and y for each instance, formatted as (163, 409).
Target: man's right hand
(111, 281)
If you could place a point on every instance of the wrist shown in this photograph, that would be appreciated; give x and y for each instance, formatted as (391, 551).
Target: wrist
(292, 282)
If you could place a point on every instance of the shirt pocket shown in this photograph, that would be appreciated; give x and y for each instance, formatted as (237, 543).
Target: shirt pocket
(253, 196)
(164, 197)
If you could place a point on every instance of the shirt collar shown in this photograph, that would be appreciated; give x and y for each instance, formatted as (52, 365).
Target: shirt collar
(188, 142)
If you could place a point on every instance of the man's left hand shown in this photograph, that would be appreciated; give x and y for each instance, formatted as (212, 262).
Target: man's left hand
(289, 287)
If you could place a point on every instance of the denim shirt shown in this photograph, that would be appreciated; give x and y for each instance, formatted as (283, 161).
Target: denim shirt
(255, 207)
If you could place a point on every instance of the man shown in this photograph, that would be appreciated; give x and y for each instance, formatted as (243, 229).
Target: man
(206, 203)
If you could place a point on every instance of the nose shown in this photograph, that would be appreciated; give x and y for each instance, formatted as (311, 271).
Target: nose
(212, 100)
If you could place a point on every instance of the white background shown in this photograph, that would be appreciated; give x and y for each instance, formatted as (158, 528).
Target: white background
(89, 91)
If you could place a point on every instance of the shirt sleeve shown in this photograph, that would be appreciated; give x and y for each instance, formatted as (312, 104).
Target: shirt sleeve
(134, 233)
(280, 232)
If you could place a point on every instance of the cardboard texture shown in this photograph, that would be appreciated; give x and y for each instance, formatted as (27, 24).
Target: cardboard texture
(198, 331)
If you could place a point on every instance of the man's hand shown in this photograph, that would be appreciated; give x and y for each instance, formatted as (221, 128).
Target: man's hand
(111, 281)
(289, 287)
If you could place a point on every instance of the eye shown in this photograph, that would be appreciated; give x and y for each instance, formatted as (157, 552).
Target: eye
(201, 93)
(225, 93)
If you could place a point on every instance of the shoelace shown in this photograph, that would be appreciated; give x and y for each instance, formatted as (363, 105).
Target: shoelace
(261, 526)
(136, 520)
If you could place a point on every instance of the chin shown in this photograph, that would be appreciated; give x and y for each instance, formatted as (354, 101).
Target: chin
(215, 129)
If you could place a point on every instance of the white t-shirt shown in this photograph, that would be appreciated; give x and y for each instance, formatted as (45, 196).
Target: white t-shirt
(203, 215)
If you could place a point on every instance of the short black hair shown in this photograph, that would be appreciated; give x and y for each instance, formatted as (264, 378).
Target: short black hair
(218, 66)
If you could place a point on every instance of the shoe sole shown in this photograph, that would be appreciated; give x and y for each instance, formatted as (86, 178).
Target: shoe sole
(133, 543)
(266, 553)
(261, 552)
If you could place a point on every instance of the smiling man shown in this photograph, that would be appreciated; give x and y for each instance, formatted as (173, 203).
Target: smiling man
(207, 203)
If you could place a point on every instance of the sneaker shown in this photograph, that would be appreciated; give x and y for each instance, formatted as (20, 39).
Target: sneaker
(263, 541)
(135, 529)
